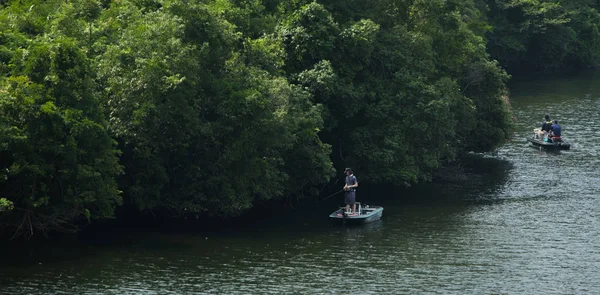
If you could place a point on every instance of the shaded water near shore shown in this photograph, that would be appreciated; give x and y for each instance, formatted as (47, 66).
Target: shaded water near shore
(518, 221)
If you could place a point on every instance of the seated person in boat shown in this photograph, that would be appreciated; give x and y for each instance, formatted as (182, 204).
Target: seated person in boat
(350, 188)
(546, 128)
(547, 124)
(556, 130)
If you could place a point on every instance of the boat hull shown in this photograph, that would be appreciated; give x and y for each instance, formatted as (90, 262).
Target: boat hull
(366, 215)
(561, 145)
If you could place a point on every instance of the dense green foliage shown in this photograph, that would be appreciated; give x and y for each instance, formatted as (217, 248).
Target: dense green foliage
(208, 107)
(544, 35)
(6, 205)
(403, 94)
(58, 162)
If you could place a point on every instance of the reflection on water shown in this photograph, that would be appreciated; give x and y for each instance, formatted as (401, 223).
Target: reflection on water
(518, 221)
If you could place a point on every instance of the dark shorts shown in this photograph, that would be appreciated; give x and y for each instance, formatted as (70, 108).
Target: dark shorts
(350, 198)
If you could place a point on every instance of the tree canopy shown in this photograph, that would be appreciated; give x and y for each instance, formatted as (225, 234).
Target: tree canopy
(544, 35)
(212, 106)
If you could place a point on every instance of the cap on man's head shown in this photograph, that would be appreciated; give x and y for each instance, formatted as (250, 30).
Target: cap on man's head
(555, 121)
(547, 117)
(347, 170)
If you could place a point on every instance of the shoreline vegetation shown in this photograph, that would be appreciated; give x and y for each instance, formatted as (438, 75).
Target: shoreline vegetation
(209, 108)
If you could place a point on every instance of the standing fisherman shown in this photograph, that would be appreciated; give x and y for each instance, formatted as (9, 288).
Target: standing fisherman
(350, 188)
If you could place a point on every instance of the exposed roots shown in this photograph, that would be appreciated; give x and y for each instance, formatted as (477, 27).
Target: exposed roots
(33, 223)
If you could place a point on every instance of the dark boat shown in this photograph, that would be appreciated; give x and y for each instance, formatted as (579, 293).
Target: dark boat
(551, 144)
(365, 214)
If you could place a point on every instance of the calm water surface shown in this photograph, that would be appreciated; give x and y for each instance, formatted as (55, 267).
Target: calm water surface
(522, 221)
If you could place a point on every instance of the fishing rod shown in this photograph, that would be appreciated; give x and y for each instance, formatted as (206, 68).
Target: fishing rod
(333, 195)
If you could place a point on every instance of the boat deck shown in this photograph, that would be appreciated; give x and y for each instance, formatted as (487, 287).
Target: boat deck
(364, 215)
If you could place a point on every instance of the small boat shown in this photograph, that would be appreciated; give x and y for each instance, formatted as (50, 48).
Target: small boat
(365, 214)
(549, 143)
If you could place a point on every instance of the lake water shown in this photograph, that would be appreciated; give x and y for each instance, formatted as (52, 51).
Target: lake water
(519, 221)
